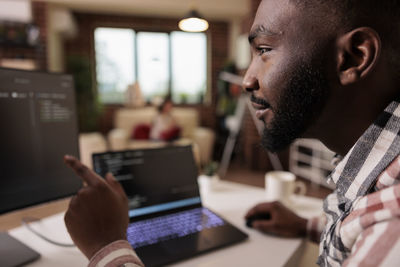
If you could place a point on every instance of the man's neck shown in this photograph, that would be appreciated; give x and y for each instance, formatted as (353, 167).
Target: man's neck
(345, 127)
(342, 140)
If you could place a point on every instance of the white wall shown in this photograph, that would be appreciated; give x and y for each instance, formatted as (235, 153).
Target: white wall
(61, 25)
(16, 10)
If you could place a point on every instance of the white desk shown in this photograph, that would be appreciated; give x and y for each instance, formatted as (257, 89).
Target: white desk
(230, 200)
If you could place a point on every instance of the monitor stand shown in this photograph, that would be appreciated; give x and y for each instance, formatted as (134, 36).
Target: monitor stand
(14, 253)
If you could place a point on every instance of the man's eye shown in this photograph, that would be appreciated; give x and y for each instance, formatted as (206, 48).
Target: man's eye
(263, 50)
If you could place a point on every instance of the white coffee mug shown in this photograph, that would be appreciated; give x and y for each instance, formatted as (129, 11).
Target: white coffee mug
(281, 185)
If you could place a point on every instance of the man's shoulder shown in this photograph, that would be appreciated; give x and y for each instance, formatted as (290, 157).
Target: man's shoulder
(376, 215)
(376, 207)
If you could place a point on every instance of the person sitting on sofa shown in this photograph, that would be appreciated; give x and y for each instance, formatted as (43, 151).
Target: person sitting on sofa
(164, 127)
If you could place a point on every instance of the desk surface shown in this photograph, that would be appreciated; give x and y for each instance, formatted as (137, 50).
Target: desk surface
(230, 200)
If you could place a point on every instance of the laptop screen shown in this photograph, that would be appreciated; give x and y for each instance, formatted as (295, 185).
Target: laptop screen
(154, 179)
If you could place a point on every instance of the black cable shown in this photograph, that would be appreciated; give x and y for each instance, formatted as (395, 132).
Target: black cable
(26, 223)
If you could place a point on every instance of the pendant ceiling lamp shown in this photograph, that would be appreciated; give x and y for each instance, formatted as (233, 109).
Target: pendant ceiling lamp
(193, 22)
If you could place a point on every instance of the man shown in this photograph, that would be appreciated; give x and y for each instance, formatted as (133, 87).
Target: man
(322, 69)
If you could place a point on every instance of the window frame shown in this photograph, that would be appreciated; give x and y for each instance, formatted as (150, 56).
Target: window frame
(207, 93)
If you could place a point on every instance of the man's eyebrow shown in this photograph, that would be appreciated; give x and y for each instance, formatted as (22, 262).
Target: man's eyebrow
(260, 30)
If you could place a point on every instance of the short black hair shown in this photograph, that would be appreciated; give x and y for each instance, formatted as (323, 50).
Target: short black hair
(381, 15)
(357, 13)
(355, 8)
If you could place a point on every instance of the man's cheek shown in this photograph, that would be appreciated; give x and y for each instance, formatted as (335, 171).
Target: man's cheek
(274, 84)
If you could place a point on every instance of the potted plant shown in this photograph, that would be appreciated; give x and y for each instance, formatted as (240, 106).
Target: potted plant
(209, 179)
(88, 105)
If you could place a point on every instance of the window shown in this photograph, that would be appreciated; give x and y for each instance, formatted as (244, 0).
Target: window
(162, 63)
(153, 63)
(114, 67)
(189, 66)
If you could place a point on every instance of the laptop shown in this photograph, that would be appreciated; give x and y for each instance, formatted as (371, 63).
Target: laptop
(168, 221)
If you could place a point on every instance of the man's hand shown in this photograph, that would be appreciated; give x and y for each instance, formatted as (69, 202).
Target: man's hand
(283, 222)
(98, 214)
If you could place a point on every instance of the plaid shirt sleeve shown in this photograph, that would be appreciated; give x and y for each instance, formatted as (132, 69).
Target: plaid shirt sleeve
(116, 254)
(315, 227)
(377, 245)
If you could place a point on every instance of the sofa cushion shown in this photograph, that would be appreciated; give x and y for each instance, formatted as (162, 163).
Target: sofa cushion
(141, 131)
(171, 134)
(186, 118)
(128, 118)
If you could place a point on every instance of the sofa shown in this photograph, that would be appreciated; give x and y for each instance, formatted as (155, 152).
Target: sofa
(126, 119)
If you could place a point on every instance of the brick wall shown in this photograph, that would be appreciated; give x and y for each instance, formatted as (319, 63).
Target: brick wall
(83, 45)
(39, 10)
(39, 53)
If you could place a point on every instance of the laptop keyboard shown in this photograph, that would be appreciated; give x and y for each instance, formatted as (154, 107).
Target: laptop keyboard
(163, 228)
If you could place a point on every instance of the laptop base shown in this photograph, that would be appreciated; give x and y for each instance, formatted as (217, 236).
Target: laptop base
(189, 246)
(14, 253)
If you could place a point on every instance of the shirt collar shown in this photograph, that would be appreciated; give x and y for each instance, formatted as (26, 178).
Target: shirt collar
(372, 153)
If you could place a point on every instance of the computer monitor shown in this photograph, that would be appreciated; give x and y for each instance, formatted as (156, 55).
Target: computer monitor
(38, 126)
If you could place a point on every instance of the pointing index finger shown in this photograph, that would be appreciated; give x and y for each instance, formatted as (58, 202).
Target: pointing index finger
(87, 175)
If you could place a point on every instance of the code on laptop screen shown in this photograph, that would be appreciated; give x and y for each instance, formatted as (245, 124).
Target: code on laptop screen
(153, 176)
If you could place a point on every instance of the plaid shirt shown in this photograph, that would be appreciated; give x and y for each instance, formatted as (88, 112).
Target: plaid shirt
(362, 216)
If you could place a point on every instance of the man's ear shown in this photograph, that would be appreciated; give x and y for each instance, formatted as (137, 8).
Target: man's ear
(358, 53)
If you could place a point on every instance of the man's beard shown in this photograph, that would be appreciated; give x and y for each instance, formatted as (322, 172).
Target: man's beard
(300, 103)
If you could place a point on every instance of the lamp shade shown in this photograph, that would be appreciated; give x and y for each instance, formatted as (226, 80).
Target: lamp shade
(193, 22)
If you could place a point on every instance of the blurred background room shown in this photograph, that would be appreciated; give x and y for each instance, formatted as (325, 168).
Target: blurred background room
(126, 56)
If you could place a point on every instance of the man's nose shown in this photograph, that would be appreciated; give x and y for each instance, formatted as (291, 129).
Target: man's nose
(250, 81)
